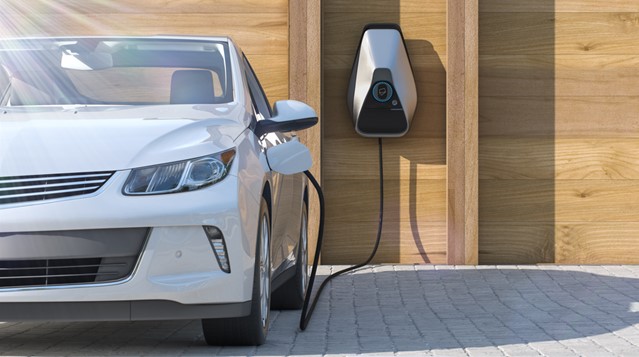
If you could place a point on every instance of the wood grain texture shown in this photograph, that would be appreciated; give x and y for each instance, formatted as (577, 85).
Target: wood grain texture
(596, 201)
(255, 33)
(516, 243)
(358, 200)
(503, 158)
(401, 160)
(297, 45)
(314, 98)
(552, 6)
(416, 242)
(143, 6)
(589, 117)
(596, 159)
(462, 131)
(471, 136)
(570, 75)
(314, 81)
(342, 30)
(610, 33)
(559, 200)
(597, 243)
(561, 158)
(559, 97)
(516, 201)
(404, 6)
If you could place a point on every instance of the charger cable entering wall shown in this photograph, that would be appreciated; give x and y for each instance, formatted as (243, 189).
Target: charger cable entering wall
(307, 312)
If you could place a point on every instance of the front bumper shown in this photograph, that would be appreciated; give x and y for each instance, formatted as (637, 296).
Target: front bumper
(119, 311)
(177, 270)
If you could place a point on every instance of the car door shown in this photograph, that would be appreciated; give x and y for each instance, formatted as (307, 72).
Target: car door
(287, 189)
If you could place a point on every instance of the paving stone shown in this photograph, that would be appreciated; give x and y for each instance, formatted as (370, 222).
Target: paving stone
(400, 310)
(519, 350)
(488, 351)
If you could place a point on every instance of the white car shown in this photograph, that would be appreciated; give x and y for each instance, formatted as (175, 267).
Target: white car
(148, 178)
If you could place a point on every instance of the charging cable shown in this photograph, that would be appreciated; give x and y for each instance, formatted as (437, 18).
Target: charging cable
(307, 312)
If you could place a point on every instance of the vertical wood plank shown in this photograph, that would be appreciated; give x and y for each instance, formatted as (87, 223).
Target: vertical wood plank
(313, 137)
(297, 51)
(462, 131)
(305, 85)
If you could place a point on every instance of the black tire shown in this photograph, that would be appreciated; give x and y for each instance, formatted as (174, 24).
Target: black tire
(290, 296)
(249, 330)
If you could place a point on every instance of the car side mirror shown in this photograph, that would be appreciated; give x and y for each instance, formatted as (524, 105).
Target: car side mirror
(288, 115)
(289, 158)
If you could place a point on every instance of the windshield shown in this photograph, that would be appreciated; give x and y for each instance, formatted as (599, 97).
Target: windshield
(120, 71)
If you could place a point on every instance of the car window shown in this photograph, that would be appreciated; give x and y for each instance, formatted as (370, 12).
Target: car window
(115, 71)
(260, 101)
(150, 85)
(4, 82)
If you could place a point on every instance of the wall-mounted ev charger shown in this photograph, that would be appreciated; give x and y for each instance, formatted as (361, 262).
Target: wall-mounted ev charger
(382, 97)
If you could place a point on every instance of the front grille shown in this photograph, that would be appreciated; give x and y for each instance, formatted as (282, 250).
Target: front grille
(46, 187)
(69, 257)
(24, 273)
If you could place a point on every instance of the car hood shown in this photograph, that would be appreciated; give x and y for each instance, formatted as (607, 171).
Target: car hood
(35, 141)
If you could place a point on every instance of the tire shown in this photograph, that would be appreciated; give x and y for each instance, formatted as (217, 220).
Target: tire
(290, 296)
(249, 330)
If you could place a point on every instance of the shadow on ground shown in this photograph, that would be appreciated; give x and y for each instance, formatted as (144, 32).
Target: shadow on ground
(388, 309)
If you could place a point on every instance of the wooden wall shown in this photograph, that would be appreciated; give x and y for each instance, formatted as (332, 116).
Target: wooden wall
(559, 120)
(414, 166)
(260, 27)
(462, 131)
(558, 116)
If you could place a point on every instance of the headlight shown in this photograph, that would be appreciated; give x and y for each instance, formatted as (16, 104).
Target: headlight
(179, 176)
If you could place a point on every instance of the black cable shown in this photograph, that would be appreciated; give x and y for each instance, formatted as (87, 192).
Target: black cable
(306, 312)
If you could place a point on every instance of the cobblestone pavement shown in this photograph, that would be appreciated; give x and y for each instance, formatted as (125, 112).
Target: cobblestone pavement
(400, 310)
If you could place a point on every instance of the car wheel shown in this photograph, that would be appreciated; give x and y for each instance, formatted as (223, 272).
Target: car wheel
(290, 296)
(249, 330)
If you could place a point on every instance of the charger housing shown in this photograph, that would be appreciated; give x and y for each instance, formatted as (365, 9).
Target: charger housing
(382, 94)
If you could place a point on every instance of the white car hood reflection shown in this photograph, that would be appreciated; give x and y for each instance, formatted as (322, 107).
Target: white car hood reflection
(109, 139)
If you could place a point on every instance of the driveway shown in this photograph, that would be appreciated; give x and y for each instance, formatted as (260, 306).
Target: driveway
(400, 310)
